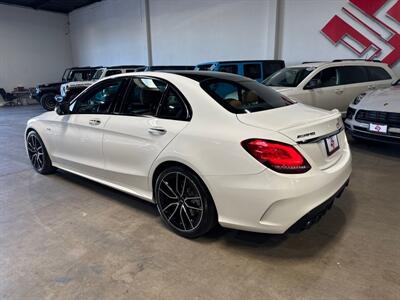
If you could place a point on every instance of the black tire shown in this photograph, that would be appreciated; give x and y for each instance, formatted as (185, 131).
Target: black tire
(184, 202)
(38, 155)
(48, 102)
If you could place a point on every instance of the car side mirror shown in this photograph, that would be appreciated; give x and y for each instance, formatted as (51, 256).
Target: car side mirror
(395, 82)
(62, 106)
(313, 84)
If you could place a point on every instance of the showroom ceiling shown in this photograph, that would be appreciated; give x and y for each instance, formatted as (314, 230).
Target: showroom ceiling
(60, 6)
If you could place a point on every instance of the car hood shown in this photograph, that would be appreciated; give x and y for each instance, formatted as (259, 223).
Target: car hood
(299, 122)
(382, 100)
(79, 83)
(48, 85)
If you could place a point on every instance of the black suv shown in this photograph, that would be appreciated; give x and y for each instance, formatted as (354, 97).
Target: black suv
(45, 93)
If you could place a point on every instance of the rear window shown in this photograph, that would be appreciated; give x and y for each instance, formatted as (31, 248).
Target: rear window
(245, 96)
(377, 73)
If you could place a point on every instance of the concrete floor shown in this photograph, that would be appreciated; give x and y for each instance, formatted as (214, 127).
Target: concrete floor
(64, 237)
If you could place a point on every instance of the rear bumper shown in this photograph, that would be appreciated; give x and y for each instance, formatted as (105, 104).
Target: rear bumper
(360, 130)
(272, 203)
(315, 215)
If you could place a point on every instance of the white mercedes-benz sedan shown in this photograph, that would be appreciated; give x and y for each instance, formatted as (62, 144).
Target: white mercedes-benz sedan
(375, 115)
(205, 147)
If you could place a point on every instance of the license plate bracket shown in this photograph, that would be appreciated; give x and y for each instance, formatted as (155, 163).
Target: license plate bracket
(331, 144)
(378, 128)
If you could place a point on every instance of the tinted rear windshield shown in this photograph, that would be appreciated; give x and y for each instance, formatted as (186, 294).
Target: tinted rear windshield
(244, 96)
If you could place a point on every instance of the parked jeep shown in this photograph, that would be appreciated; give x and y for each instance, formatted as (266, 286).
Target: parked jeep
(72, 89)
(254, 69)
(45, 93)
(169, 68)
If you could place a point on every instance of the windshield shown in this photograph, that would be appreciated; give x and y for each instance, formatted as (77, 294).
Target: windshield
(205, 67)
(80, 75)
(97, 75)
(65, 75)
(245, 96)
(288, 77)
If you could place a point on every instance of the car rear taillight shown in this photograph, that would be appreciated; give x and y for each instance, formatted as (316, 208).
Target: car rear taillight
(280, 157)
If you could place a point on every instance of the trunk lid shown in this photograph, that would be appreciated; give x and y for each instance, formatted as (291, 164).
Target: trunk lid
(307, 126)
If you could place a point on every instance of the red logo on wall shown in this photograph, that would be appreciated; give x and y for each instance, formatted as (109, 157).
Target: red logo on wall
(376, 19)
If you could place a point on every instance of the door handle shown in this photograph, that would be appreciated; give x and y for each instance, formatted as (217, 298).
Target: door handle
(157, 131)
(94, 122)
(339, 91)
(371, 87)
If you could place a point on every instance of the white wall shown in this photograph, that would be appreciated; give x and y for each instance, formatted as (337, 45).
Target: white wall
(194, 31)
(111, 32)
(301, 37)
(34, 47)
(190, 32)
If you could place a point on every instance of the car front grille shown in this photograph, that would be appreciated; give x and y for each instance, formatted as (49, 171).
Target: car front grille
(388, 118)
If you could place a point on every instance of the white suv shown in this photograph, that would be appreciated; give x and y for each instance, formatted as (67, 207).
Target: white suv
(72, 89)
(330, 85)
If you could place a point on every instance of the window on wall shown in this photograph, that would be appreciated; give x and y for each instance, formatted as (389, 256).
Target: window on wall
(252, 71)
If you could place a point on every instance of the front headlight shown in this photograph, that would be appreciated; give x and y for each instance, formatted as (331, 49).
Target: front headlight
(359, 98)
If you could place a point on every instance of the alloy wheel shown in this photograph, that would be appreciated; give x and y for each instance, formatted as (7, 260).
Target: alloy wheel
(180, 201)
(36, 152)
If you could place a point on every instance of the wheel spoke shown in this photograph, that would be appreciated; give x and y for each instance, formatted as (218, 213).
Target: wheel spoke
(169, 205)
(192, 198)
(30, 146)
(183, 186)
(175, 196)
(40, 160)
(187, 216)
(192, 207)
(173, 213)
(180, 214)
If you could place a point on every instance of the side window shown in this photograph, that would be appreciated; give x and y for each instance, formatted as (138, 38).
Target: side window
(228, 69)
(112, 72)
(378, 73)
(271, 67)
(172, 107)
(252, 71)
(99, 100)
(144, 97)
(328, 77)
(352, 74)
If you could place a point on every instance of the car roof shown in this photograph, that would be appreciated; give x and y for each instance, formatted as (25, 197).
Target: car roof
(240, 61)
(124, 67)
(200, 76)
(344, 62)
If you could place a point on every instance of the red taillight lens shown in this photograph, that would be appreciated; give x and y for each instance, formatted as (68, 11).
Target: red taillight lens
(280, 157)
